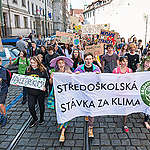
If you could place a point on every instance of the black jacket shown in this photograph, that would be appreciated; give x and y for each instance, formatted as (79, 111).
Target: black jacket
(48, 58)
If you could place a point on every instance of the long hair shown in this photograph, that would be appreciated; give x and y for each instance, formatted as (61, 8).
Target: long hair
(78, 58)
(39, 64)
(69, 48)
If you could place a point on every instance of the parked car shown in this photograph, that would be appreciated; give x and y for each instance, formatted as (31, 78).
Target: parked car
(9, 51)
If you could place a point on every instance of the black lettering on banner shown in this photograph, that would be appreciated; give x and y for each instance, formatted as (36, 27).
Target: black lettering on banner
(59, 89)
(134, 86)
(129, 102)
(30, 82)
(73, 104)
(68, 105)
(103, 86)
(109, 86)
(40, 84)
(116, 87)
(34, 83)
(114, 101)
(76, 87)
(97, 86)
(93, 87)
(122, 86)
(79, 103)
(82, 87)
(137, 102)
(70, 87)
(127, 86)
(106, 102)
(100, 101)
(85, 103)
(65, 86)
(91, 104)
(63, 108)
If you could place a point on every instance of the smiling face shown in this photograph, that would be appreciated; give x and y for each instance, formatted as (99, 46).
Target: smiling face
(88, 61)
(76, 53)
(124, 63)
(61, 65)
(33, 64)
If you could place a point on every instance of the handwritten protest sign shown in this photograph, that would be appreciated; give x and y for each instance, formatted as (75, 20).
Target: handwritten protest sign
(94, 29)
(108, 37)
(63, 34)
(28, 81)
(95, 49)
(1, 45)
(65, 39)
(91, 94)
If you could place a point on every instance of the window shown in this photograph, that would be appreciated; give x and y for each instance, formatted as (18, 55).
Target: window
(32, 9)
(29, 7)
(15, 1)
(25, 22)
(24, 3)
(94, 13)
(17, 21)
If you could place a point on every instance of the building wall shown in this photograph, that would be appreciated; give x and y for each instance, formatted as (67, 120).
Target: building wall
(10, 9)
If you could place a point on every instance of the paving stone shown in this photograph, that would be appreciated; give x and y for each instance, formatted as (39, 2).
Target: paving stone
(106, 148)
(4, 145)
(125, 142)
(135, 142)
(79, 130)
(142, 148)
(130, 148)
(122, 136)
(105, 142)
(113, 136)
(95, 142)
(69, 143)
(103, 136)
(145, 142)
(116, 142)
(120, 148)
(78, 136)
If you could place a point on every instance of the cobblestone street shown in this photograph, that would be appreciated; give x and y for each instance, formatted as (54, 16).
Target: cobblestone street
(107, 130)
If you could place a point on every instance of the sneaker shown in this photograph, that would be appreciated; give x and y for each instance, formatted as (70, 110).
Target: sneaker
(32, 123)
(126, 129)
(41, 122)
(90, 132)
(4, 121)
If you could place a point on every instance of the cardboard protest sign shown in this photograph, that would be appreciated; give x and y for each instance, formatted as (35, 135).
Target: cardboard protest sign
(65, 39)
(91, 94)
(95, 49)
(108, 37)
(94, 29)
(28, 81)
(63, 34)
(1, 45)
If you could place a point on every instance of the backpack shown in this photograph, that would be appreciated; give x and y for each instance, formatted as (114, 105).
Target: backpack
(19, 59)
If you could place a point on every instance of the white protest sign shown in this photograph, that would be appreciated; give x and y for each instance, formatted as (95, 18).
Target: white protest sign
(7, 53)
(91, 94)
(28, 81)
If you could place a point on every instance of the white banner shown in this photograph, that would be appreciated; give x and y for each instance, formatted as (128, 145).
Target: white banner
(28, 81)
(91, 94)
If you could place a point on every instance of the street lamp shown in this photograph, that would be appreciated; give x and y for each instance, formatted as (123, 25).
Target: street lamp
(146, 19)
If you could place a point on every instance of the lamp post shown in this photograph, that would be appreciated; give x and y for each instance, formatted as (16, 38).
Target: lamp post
(1, 20)
(146, 19)
(46, 18)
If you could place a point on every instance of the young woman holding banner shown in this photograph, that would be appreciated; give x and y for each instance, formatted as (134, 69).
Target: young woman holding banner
(36, 69)
(61, 64)
(122, 69)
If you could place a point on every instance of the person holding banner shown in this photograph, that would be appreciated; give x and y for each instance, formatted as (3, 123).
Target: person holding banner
(5, 77)
(61, 64)
(22, 62)
(36, 69)
(122, 69)
(88, 66)
(145, 66)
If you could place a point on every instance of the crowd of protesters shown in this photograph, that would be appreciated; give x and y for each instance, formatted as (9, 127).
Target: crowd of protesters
(42, 58)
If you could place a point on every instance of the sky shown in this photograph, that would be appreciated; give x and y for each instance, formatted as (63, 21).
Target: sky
(79, 4)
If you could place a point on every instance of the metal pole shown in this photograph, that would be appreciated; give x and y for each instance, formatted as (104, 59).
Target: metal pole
(1, 20)
(46, 19)
(146, 29)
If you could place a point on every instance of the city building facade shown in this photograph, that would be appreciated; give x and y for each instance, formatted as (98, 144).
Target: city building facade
(22, 17)
(61, 16)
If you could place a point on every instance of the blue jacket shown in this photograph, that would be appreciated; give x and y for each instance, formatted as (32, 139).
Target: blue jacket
(5, 80)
